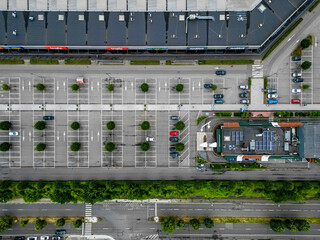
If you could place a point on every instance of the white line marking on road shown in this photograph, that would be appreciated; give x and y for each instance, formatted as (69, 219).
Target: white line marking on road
(22, 85)
(98, 136)
(64, 85)
(29, 136)
(58, 135)
(91, 135)
(29, 85)
(64, 136)
(22, 135)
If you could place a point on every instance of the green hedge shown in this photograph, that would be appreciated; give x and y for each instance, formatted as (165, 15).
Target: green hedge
(43, 61)
(223, 114)
(314, 6)
(11, 61)
(200, 119)
(145, 62)
(78, 62)
(225, 62)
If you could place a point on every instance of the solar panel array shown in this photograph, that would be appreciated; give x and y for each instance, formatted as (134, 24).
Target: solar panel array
(268, 141)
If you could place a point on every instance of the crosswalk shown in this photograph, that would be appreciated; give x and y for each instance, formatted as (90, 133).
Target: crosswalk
(88, 225)
(153, 236)
(257, 71)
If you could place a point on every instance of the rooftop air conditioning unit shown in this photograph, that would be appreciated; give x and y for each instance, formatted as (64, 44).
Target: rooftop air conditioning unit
(14, 32)
(14, 14)
(192, 16)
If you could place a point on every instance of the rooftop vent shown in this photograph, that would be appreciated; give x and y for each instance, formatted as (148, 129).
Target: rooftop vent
(173, 36)
(242, 36)
(121, 18)
(31, 18)
(14, 14)
(14, 32)
(222, 17)
(81, 17)
(219, 36)
(60, 17)
(181, 18)
(261, 8)
(40, 17)
(101, 18)
(196, 36)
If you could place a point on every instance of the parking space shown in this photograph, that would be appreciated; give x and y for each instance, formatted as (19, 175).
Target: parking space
(146, 159)
(46, 158)
(78, 158)
(163, 91)
(307, 75)
(12, 96)
(46, 96)
(115, 96)
(148, 97)
(179, 97)
(237, 90)
(114, 158)
(196, 90)
(80, 96)
(95, 90)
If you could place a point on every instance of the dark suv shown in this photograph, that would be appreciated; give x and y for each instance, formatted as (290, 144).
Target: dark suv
(208, 85)
(296, 80)
(60, 232)
(215, 96)
(221, 72)
(244, 95)
(48, 117)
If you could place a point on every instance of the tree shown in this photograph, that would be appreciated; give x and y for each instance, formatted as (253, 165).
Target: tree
(291, 225)
(5, 125)
(23, 223)
(179, 147)
(288, 186)
(145, 125)
(180, 125)
(169, 225)
(60, 222)
(305, 86)
(40, 147)
(302, 225)
(181, 224)
(110, 87)
(75, 87)
(111, 125)
(5, 87)
(277, 225)
(208, 222)
(75, 146)
(75, 125)
(40, 224)
(5, 146)
(179, 87)
(306, 65)
(305, 43)
(77, 223)
(214, 87)
(5, 223)
(144, 87)
(40, 125)
(110, 146)
(40, 87)
(195, 223)
(145, 146)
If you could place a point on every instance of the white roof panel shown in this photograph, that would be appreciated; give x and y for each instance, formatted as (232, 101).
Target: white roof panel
(117, 5)
(157, 5)
(18, 5)
(97, 5)
(137, 5)
(77, 5)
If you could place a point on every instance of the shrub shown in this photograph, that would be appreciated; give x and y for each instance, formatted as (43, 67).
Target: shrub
(75, 87)
(144, 87)
(277, 225)
(306, 65)
(5, 146)
(5, 87)
(23, 223)
(40, 125)
(180, 125)
(40, 87)
(145, 146)
(265, 83)
(60, 222)
(110, 87)
(179, 147)
(195, 223)
(249, 82)
(110, 146)
(291, 225)
(179, 87)
(181, 224)
(75, 146)
(305, 43)
(214, 87)
(40, 224)
(5, 125)
(111, 125)
(200, 119)
(208, 222)
(77, 223)
(145, 125)
(5, 223)
(305, 86)
(302, 225)
(75, 125)
(169, 224)
(40, 147)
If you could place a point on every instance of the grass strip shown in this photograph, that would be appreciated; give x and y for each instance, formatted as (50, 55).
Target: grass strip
(78, 62)
(11, 61)
(225, 62)
(146, 62)
(44, 61)
(200, 119)
(168, 62)
(285, 35)
(50, 219)
(314, 6)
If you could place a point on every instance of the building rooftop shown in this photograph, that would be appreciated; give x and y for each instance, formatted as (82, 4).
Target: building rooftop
(309, 137)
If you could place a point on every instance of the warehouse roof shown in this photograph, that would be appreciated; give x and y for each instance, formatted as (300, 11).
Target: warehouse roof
(309, 137)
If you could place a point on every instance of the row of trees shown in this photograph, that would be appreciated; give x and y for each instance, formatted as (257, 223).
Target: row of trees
(145, 87)
(278, 225)
(170, 224)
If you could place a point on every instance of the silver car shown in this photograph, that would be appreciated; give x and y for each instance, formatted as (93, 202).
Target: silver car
(273, 95)
(243, 87)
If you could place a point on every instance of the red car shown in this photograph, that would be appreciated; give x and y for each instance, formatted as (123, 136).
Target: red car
(296, 101)
(173, 133)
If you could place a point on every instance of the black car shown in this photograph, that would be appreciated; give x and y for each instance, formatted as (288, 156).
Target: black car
(172, 149)
(208, 85)
(48, 117)
(296, 80)
(56, 238)
(216, 96)
(60, 232)
(221, 72)
(20, 238)
(174, 117)
(244, 95)
(174, 139)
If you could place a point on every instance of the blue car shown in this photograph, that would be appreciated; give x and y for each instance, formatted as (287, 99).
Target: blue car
(172, 149)
(48, 117)
(218, 101)
(296, 58)
(174, 154)
(208, 85)
(174, 139)
(174, 117)
(272, 101)
(60, 232)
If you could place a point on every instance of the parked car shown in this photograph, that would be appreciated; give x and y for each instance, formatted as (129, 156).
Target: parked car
(221, 72)
(244, 101)
(20, 238)
(174, 154)
(60, 232)
(243, 87)
(174, 117)
(296, 100)
(174, 133)
(296, 90)
(244, 95)
(32, 238)
(150, 139)
(272, 95)
(174, 139)
(296, 58)
(44, 238)
(13, 133)
(272, 101)
(48, 117)
(218, 101)
(208, 85)
(172, 149)
(296, 74)
(215, 96)
(296, 80)
(272, 90)
(56, 238)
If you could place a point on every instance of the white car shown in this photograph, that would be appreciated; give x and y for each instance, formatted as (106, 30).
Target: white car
(149, 139)
(44, 238)
(32, 238)
(296, 90)
(13, 133)
(296, 74)
(274, 95)
(243, 87)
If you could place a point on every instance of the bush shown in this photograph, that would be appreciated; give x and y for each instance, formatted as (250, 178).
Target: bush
(144, 87)
(217, 167)
(265, 83)
(223, 114)
(180, 125)
(306, 65)
(302, 225)
(111, 125)
(75, 125)
(40, 224)
(60, 222)
(214, 87)
(110, 87)
(179, 87)
(145, 125)
(40, 87)
(181, 224)
(5, 125)
(169, 224)
(5, 223)
(5, 87)
(179, 147)
(5, 146)
(200, 119)
(110, 146)
(145, 146)
(249, 82)
(291, 225)
(75, 87)
(277, 225)
(40, 147)
(40, 125)
(305, 86)
(77, 223)
(195, 223)
(208, 222)
(76, 146)
(23, 223)
(305, 43)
